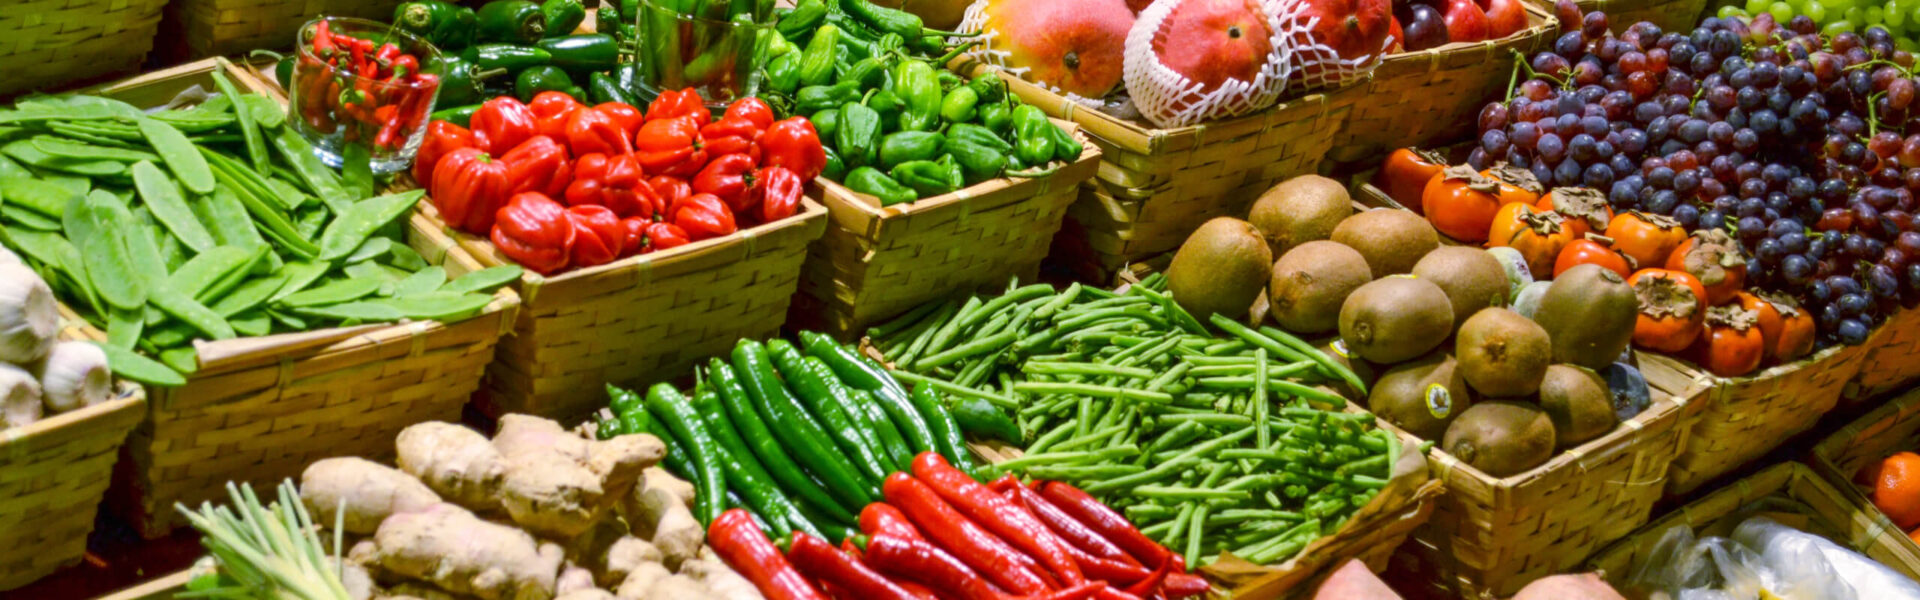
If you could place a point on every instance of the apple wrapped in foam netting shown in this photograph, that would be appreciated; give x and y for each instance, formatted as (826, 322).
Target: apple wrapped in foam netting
(1189, 61)
(1334, 42)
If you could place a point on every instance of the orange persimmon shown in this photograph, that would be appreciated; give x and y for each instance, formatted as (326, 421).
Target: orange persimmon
(1672, 308)
(1731, 345)
(1461, 203)
(1592, 251)
(1647, 237)
(1585, 209)
(1516, 184)
(1538, 235)
(1405, 174)
(1896, 489)
(1715, 259)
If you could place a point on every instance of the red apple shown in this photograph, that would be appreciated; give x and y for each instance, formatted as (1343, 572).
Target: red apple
(1352, 28)
(1465, 21)
(1212, 41)
(1505, 17)
(1078, 46)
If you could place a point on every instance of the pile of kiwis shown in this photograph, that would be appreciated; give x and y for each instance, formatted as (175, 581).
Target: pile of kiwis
(1431, 328)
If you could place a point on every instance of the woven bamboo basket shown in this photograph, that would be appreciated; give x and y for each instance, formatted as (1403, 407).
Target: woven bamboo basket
(53, 474)
(259, 409)
(1894, 427)
(1892, 358)
(1492, 536)
(198, 28)
(1670, 15)
(634, 321)
(874, 262)
(1741, 418)
(1791, 493)
(48, 43)
(1433, 96)
(1155, 186)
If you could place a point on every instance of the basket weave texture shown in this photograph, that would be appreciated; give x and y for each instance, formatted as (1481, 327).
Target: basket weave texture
(1894, 427)
(1892, 358)
(46, 43)
(874, 262)
(635, 321)
(1670, 15)
(200, 28)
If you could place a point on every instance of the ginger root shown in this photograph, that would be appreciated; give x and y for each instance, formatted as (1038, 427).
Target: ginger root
(722, 580)
(455, 461)
(661, 517)
(548, 480)
(370, 492)
(451, 548)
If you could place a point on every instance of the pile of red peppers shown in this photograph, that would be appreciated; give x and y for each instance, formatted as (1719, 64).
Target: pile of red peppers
(373, 93)
(940, 535)
(558, 184)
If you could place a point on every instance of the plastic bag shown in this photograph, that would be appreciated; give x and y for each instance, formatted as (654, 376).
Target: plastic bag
(1810, 566)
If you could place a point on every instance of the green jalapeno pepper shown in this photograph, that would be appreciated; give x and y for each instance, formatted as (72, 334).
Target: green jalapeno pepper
(563, 16)
(602, 88)
(1034, 145)
(857, 136)
(958, 107)
(460, 81)
(458, 115)
(542, 79)
(583, 52)
(908, 146)
(928, 178)
(977, 162)
(783, 73)
(511, 22)
(505, 56)
(815, 98)
(870, 181)
(816, 62)
(447, 25)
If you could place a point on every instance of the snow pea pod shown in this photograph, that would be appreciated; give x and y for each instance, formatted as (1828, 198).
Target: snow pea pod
(127, 364)
(484, 280)
(354, 311)
(226, 219)
(64, 113)
(251, 324)
(60, 148)
(249, 128)
(124, 327)
(421, 282)
(343, 290)
(299, 276)
(299, 156)
(252, 194)
(437, 305)
(168, 207)
(31, 155)
(351, 228)
(201, 276)
(108, 257)
(43, 197)
(183, 307)
(249, 294)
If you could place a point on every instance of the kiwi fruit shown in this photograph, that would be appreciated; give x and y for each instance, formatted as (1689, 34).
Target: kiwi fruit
(1392, 319)
(1472, 279)
(1337, 350)
(1310, 282)
(1501, 438)
(1577, 401)
(1421, 396)
(1392, 240)
(1502, 354)
(1221, 269)
(1589, 313)
(1300, 210)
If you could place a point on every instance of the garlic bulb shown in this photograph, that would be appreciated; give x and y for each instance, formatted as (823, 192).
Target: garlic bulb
(19, 397)
(73, 376)
(7, 257)
(28, 318)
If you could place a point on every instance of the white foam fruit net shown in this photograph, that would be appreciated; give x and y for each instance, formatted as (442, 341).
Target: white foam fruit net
(991, 54)
(1316, 65)
(1170, 99)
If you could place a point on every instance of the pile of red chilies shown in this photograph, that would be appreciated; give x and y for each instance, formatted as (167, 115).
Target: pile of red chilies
(940, 535)
(377, 92)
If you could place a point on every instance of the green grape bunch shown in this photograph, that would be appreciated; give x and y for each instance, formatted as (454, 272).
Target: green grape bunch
(1899, 17)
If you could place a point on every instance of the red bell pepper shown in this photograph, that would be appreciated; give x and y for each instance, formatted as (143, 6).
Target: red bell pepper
(671, 147)
(703, 216)
(960, 536)
(999, 515)
(590, 131)
(1062, 524)
(670, 188)
(442, 137)
(551, 111)
(794, 143)
(684, 103)
(733, 136)
(538, 165)
(728, 177)
(777, 190)
(468, 187)
(626, 116)
(739, 542)
(662, 235)
(816, 558)
(1104, 521)
(599, 238)
(534, 231)
(616, 182)
(647, 235)
(501, 124)
(752, 109)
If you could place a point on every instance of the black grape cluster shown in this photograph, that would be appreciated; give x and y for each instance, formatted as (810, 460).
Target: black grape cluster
(1806, 148)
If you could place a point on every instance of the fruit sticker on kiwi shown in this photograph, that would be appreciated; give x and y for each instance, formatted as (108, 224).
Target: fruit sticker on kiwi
(1439, 401)
(1339, 346)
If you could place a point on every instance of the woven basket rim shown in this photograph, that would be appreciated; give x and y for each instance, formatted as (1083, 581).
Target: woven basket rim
(1822, 454)
(128, 398)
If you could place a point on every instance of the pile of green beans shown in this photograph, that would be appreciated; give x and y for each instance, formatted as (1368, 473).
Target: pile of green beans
(213, 222)
(1209, 442)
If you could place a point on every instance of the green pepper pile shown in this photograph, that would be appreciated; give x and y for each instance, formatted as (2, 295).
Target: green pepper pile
(213, 222)
(896, 125)
(1209, 442)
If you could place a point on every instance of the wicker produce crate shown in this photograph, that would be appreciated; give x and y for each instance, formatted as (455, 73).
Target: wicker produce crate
(1434, 96)
(1494, 535)
(1892, 357)
(1894, 427)
(53, 474)
(194, 29)
(1790, 493)
(1741, 418)
(1671, 15)
(1155, 186)
(47, 43)
(634, 321)
(874, 262)
(259, 409)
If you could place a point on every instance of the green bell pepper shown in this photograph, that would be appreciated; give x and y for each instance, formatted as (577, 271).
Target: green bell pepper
(1034, 145)
(603, 88)
(997, 117)
(990, 88)
(977, 162)
(868, 73)
(783, 73)
(826, 122)
(948, 80)
(857, 136)
(888, 105)
(816, 62)
(835, 168)
(914, 81)
(929, 178)
(908, 146)
(816, 98)
(543, 78)
(511, 22)
(958, 107)
(458, 115)
(976, 134)
(778, 46)
(563, 16)
(802, 20)
(505, 56)
(872, 182)
(447, 25)
(583, 52)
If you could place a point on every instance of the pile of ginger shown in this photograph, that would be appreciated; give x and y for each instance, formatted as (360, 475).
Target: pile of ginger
(536, 513)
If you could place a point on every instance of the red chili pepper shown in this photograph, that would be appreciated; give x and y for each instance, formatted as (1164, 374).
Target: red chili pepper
(323, 39)
(926, 564)
(662, 235)
(793, 143)
(1105, 521)
(551, 111)
(405, 67)
(599, 238)
(501, 124)
(684, 103)
(389, 119)
(778, 191)
(955, 533)
(703, 216)
(616, 182)
(627, 117)
(534, 231)
(728, 177)
(818, 559)
(387, 53)
(880, 518)
(739, 541)
(671, 147)
(442, 137)
(1062, 524)
(539, 165)
(752, 109)
(999, 515)
(1151, 584)
(590, 131)
(416, 101)
(670, 188)
(468, 187)
(1182, 585)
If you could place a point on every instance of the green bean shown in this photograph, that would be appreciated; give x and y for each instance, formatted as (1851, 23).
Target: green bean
(969, 349)
(1327, 364)
(903, 322)
(920, 342)
(249, 128)
(1185, 459)
(1038, 387)
(1069, 368)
